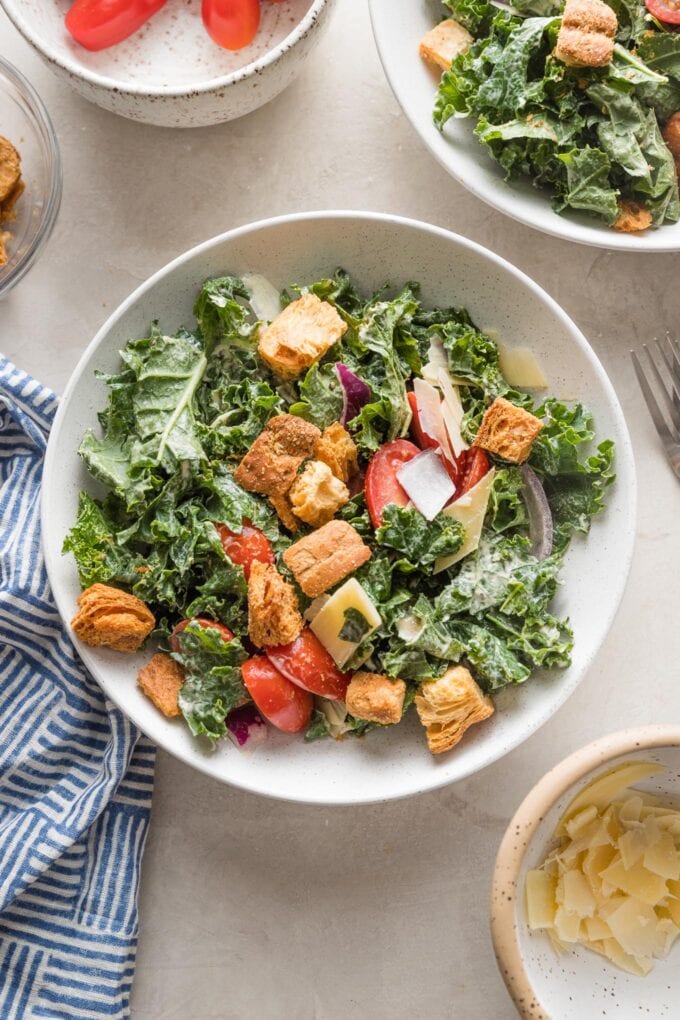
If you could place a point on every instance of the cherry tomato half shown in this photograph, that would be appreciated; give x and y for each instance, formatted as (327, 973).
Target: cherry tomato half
(667, 11)
(200, 621)
(97, 24)
(232, 24)
(476, 465)
(285, 705)
(382, 486)
(246, 546)
(306, 663)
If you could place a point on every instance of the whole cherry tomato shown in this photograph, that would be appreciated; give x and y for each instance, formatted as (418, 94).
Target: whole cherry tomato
(97, 24)
(308, 664)
(284, 704)
(200, 621)
(246, 546)
(232, 24)
(382, 485)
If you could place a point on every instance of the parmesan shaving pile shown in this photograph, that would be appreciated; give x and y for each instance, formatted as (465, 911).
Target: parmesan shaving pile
(613, 883)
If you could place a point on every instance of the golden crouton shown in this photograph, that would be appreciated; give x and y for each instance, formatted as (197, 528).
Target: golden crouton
(161, 680)
(318, 561)
(671, 136)
(111, 617)
(375, 698)
(508, 431)
(633, 216)
(285, 511)
(273, 612)
(316, 494)
(447, 707)
(586, 36)
(300, 335)
(444, 42)
(337, 449)
(272, 462)
(10, 168)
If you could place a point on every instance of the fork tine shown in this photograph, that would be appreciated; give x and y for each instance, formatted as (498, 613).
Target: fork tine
(650, 400)
(672, 363)
(667, 399)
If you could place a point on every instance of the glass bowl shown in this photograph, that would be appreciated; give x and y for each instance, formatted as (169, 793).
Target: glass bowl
(26, 123)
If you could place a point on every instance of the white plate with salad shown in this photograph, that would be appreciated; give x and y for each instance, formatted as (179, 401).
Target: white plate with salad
(570, 150)
(325, 533)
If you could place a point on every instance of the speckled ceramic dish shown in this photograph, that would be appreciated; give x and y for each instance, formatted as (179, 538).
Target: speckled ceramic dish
(170, 72)
(395, 761)
(579, 985)
(399, 25)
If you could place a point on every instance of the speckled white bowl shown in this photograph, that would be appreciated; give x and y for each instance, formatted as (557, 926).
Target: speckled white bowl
(374, 248)
(580, 984)
(170, 73)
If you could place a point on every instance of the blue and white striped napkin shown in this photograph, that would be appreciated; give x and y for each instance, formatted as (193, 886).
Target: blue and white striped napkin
(76, 777)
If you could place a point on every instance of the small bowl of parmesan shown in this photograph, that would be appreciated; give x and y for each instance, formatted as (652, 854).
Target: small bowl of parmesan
(585, 908)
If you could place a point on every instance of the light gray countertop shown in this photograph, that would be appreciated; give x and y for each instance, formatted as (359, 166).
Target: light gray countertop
(252, 908)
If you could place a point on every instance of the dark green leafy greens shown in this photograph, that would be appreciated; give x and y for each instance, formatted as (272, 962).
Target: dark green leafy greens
(183, 410)
(590, 136)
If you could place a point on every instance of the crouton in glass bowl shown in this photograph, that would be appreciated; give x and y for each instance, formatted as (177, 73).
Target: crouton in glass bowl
(31, 193)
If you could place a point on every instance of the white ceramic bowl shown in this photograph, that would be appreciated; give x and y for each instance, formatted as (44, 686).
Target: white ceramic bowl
(578, 985)
(170, 73)
(398, 26)
(374, 249)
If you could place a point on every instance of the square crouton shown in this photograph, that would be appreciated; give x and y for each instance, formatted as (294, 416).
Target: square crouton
(633, 217)
(113, 618)
(161, 680)
(375, 698)
(508, 431)
(273, 612)
(318, 561)
(300, 335)
(444, 42)
(447, 707)
(586, 36)
(272, 462)
(316, 494)
(337, 449)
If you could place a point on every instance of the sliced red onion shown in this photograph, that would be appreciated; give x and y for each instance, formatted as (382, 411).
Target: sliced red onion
(355, 392)
(540, 517)
(427, 483)
(246, 727)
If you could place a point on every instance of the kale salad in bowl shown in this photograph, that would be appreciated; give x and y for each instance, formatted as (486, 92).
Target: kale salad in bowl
(562, 113)
(330, 514)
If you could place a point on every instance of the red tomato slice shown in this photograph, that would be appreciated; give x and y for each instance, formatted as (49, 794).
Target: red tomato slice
(665, 10)
(424, 441)
(285, 705)
(306, 663)
(97, 24)
(476, 465)
(246, 546)
(201, 621)
(382, 486)
(232, 24)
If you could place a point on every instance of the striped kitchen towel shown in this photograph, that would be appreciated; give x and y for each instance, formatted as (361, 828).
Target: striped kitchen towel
(76, 777)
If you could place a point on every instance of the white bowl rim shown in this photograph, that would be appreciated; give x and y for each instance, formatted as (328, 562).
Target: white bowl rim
(624, 450)
(525, 821)
(23, 25)
(601, 236)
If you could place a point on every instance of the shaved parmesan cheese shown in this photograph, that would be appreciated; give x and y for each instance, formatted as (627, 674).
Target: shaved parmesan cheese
(452, 410)
(470, 510)
(436, 358)
(430, 417)
(265, 299)
(427, 483)
(613, 882)
(331, 620)
(520, 368)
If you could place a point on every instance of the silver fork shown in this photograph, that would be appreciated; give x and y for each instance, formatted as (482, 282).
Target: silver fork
(665, 413)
